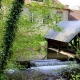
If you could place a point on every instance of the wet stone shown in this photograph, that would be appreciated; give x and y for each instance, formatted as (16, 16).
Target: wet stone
(53, 72)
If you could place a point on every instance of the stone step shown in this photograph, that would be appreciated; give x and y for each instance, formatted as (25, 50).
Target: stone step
(55, 69)
(51, 62)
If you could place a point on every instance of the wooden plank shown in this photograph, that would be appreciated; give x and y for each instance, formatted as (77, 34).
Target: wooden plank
(53, 49)
(67, 54)
(63, 52)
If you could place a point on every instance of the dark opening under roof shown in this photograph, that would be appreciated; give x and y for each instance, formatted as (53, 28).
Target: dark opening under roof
(70, 30)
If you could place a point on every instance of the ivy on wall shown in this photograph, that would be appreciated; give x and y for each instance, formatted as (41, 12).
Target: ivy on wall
(11, 25)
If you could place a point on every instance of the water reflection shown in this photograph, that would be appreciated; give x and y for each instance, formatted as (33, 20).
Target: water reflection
(54, 55)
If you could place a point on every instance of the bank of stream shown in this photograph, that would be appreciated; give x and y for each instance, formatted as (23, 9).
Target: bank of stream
(48, 69)
(56, 68)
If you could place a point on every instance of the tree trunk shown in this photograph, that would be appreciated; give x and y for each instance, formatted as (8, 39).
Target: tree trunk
(10, 30)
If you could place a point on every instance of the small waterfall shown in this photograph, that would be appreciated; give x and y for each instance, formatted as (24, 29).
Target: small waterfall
(53, 66)
(50, 62)
(50, 69)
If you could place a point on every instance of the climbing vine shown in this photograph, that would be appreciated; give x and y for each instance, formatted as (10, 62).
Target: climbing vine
(10, 29)
(0, 3)
(11, 25)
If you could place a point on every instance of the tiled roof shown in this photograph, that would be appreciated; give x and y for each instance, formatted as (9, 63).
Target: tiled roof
(70, 30)
(56, 6)
(74, 15)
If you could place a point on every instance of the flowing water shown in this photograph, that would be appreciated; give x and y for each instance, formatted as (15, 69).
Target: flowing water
(54, 68)
(49, 69)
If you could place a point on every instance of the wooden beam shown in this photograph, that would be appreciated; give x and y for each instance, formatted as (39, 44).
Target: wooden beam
(63, 52)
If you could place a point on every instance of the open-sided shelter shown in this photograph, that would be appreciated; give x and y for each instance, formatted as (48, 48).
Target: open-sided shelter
(67, 41)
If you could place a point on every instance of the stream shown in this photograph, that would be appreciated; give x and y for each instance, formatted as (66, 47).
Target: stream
(48, 69)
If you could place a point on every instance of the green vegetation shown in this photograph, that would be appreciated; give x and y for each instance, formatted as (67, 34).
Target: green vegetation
(29, 33)
(3, 77)
(75, 76)
(29, 29)
(23, 34)
(9, 33)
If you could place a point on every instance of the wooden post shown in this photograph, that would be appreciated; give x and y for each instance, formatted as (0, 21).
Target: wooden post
(58, 47)
(47, 48)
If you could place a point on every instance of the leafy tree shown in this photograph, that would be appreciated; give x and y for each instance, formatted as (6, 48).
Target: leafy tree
(33, 24)
(9, 33)
(39, 11)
